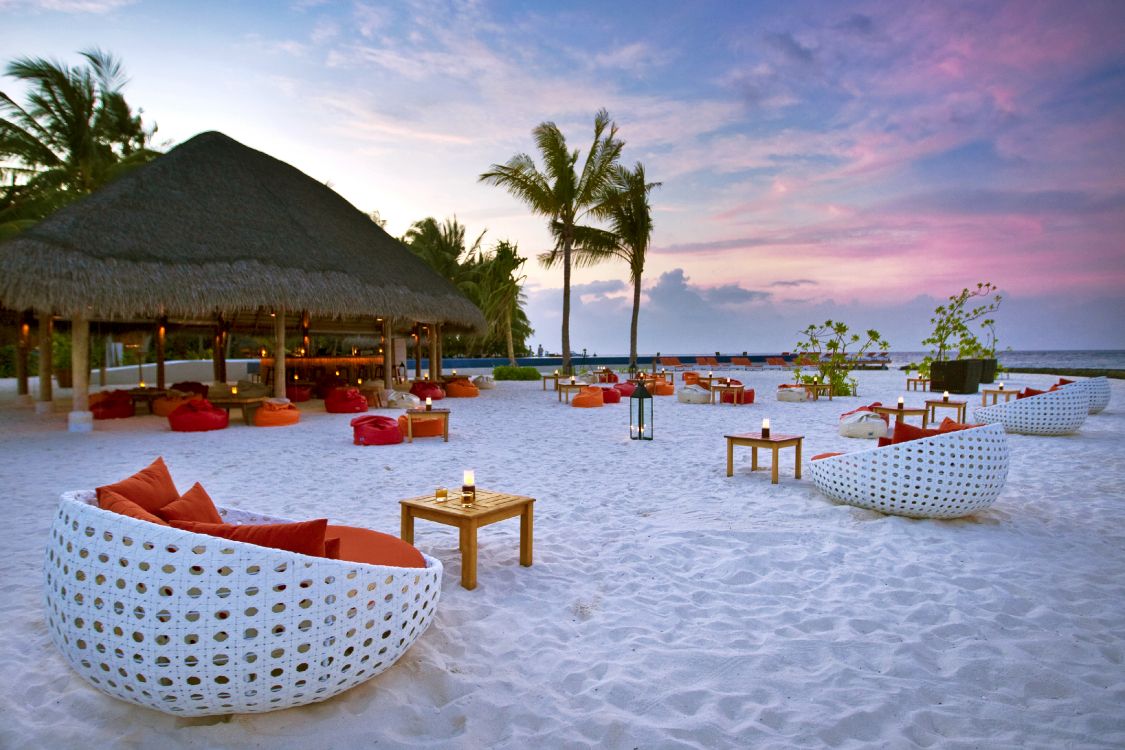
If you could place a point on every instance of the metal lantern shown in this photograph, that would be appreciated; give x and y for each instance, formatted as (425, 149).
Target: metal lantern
(640, 414)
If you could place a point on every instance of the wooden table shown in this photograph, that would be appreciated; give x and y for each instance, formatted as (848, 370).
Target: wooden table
(900, 415)
(246, 403)
(489, 507)
(146, 395)
(373, 395)
(605, 375)
(917, 384)
(420, 412)
(721, 388)
(996, 393)
(815, 389)
(756, 441)
(568, 388)
(932, 405)
(555, 377)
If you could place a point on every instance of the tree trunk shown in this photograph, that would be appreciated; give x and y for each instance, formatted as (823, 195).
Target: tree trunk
(46, 360)
(23, 350)
(566, 308)
(279, 353)
(508, 338)
(633, 325)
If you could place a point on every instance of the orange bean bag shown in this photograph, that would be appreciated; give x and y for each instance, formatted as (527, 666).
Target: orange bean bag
(611, 395)
(165, 405)
(424, 427)
(461, 389)
(345, 401)
(424, 389)
(664, 389)
(588, 398)
(691, 378)
(276, 414)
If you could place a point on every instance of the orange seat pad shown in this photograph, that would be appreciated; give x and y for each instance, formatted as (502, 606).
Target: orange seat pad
(374, 547)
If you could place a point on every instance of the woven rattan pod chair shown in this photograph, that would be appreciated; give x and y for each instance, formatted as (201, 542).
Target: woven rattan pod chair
(1098, 391)
(195, 625)
(1058, 412)
(944, 476)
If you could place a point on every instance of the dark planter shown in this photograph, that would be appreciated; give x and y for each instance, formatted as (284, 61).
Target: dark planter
(988, 371)
(955, 376)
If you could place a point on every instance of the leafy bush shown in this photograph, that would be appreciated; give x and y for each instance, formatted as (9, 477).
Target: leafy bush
(507, 372)
(825, 348)
(951, 326)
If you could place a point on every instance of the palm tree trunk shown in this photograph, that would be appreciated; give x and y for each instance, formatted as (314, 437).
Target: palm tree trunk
(633, 326)
(508, 338)
(566, 308)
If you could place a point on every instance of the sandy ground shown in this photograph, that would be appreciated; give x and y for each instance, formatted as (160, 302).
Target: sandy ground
(668, 606)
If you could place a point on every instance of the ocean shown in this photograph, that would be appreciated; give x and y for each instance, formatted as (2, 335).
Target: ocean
(1112, 359)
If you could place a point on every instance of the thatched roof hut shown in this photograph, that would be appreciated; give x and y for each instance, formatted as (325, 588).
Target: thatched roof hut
(214, 227)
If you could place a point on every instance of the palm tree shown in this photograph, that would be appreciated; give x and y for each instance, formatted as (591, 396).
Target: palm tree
(624, 204)
(500, 287)
(559, 193)
(441, 246)
(75, 134)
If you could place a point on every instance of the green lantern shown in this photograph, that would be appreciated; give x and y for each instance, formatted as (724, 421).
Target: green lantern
(640, 414)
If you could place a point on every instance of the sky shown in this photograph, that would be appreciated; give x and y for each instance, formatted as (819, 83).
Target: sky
(854, 161)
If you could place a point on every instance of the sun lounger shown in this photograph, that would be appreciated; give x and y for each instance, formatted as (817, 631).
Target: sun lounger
(671, 363)
(744, 363)
(776, 363)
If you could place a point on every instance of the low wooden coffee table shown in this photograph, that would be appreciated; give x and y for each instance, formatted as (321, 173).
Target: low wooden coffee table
(565, 389)
(996, 393)
(718, 389)
(917, 384)
(146, 395)
(933, 404)
(555, 377)
(774, 443)
(489, 507)
(246, 403)
(815, 389)
(420, 412)
(900, 415)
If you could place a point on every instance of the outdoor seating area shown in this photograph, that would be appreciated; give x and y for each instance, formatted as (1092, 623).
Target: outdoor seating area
(1060, 412)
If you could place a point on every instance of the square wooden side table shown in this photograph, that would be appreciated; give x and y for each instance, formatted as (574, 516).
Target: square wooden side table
(718, 389)
(996, 393)
(489, 508)
(932, 405)
(421, 413)
(900, 415)
(565, 389)
(774, 443)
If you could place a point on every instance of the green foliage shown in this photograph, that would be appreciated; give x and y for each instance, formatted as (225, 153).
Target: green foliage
(951, 326)
(508, 372)
(74, 134)
(827, 345)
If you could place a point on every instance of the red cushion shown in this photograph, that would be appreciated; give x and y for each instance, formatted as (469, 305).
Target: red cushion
(824, 455)
(1064, 381)
(375, 548)
(151, 488)
(884, 442)
(1027, 392)
(111, 501)
(904, 433)
(193, 505)
(949, 425)
(332, 547)
(302, 537)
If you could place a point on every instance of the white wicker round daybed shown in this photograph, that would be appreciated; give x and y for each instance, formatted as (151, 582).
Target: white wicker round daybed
(1097, 389)
(1058, 412)
(195, 625)
(944, 476)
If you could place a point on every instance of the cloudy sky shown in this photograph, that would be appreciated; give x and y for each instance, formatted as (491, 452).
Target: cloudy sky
(855, 161)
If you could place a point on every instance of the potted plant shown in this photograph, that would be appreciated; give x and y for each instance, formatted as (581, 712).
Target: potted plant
(825, 348)
(951, 331)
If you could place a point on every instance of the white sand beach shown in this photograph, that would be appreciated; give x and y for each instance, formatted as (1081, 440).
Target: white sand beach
(668, 605)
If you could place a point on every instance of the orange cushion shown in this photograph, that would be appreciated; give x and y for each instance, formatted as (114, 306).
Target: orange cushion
(904, 433)
(824, 455)
(111, 501)
(151, 488)
(193, 505)
(302, 537)
(332, 548)
(948, 425)
(375, 548)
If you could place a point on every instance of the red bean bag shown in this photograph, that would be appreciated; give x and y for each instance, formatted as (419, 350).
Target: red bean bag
(423, 390)
(375, 429)
(112, 405)
(190, 386)
(607, 376)
(328, 383)
(276, 414)
(588, 398)
(461, 389)
(746, 397)
(198, 415)
(297, 393)
(625, 389)
(611, 395)
(424, 427)
(345, 401)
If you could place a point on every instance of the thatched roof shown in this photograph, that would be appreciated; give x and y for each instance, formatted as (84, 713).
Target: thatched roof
(214, 226)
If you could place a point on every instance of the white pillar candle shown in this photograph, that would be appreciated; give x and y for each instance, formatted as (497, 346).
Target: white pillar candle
(900, 402)
(766, 423)
(234, 390)
(469, 478)
(429, 401)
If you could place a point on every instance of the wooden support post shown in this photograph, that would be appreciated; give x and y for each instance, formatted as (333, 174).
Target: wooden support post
(417, 351)
(46, 362)
(161, 331)
(80, 419)
(440, 354)
(23, 350)
(279, 354)
(388, 353)
(435, 370)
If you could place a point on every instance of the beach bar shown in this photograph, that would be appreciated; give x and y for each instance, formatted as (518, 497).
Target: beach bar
(218, 236)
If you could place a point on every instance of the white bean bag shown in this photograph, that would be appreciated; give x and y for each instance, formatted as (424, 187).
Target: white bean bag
(792, 394)
(400, 400)
(862, 424)
(694, 394)
(484, 382)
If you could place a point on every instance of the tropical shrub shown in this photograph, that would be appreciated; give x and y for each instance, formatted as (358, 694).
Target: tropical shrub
(507, 372)
(826, 345)
(951, 326)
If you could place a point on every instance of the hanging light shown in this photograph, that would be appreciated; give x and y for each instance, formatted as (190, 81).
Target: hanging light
(640, 414)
